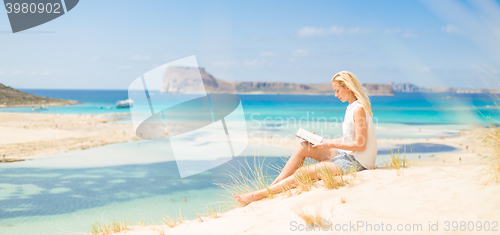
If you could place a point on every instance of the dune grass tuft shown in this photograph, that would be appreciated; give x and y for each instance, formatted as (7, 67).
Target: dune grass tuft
(247, 178)
(199, 217)
(398, 161)
(100, 228)
(315, 219)
(214, 212)
(304, 180)
(492, 140)
(252, 177)
(172, 222)
(331, 180)
(140, 222)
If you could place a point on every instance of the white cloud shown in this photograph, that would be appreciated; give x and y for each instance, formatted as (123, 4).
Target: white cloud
(2, 73)
(406, 33)
(245, 63)
(93, 59)
(47, 72)
(140, 57)
(452, 29)
(124, 67)
(300, 53)
(267, 53)
(480, 17)
(334, 30)
(169, 57)
(17, 72)
(225, 63)
(391, 31)
(423, 70)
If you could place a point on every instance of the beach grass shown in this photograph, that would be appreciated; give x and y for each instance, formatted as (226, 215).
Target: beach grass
(342, 200)
(246, 178)
(104, 228)
(304, 180)
(250, 177)
(172, 222)
(214, 212)
(492, 141)
(398, 161)
(314, 219)
(331, 180)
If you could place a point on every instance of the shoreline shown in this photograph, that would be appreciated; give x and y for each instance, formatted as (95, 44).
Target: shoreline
(37, 135)
(62, 103)
(31, 135)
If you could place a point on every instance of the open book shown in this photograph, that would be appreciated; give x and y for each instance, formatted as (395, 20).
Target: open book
(308, 136)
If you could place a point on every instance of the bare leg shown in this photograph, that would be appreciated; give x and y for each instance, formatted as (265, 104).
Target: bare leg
(287, 183)
(302, 151)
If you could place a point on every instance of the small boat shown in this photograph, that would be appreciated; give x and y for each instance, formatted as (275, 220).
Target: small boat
(37, 108)
(125, 103)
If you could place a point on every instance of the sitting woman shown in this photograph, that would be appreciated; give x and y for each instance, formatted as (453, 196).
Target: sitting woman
(355, 151)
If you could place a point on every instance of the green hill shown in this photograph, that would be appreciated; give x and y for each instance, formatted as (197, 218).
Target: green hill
(10, 97)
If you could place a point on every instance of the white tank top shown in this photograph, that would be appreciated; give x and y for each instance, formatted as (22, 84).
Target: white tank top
(366, 157)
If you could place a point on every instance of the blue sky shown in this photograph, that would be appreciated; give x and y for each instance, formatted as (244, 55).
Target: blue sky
(107, 44)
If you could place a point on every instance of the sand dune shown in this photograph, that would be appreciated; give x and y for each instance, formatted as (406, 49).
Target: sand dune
(433, 194)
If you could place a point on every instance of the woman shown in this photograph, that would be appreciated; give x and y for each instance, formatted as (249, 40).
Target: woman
(355, 151)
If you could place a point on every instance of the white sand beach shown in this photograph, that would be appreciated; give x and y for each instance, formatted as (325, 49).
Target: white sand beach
(35, 134)
(432, 196)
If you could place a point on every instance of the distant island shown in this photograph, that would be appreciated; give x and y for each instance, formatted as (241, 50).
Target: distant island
(10, 97)
(410, 88)
(184, 80)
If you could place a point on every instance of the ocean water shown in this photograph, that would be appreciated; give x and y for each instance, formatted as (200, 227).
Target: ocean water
(67, 192)
(403, 108)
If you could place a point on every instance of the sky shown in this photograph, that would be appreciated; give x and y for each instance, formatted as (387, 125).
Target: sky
(108, 44)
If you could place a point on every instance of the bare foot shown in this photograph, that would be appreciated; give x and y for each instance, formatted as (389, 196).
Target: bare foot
(247, 197)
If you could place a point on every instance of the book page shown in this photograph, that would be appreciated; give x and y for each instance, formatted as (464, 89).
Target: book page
(308, 136)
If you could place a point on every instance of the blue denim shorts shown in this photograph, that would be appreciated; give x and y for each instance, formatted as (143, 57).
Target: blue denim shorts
(346, 163)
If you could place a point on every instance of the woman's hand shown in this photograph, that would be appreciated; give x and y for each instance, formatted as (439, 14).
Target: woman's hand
(321, 145)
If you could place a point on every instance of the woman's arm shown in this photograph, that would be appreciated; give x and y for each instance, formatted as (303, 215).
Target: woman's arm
(360, 127)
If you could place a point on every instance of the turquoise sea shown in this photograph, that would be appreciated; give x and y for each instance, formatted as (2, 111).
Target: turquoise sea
(65, 193)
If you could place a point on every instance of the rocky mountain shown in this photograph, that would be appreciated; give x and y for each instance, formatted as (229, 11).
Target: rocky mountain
(186, 80)
(10, 97)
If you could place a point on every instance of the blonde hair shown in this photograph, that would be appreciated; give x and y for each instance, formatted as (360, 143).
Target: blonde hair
(347, 79)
